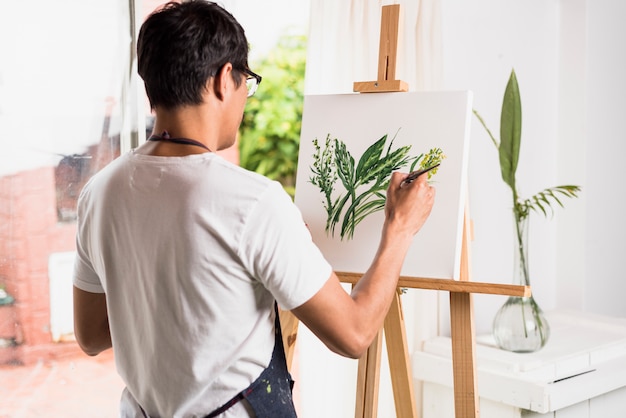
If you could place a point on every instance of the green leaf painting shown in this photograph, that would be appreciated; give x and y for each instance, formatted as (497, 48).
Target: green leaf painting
(362, 185)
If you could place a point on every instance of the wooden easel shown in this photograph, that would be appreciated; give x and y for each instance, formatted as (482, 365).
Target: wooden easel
(461, 307)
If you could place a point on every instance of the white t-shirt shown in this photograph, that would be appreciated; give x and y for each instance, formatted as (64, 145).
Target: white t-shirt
(191, 253)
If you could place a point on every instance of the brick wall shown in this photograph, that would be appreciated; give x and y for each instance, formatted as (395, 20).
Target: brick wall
(29, 233)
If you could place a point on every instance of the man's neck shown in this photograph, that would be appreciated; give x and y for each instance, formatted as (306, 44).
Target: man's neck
(191, 122)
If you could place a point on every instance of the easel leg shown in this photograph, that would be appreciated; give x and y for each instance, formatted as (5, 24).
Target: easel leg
(289, 326)
(463, 355)
(399, 364)
(368, 380)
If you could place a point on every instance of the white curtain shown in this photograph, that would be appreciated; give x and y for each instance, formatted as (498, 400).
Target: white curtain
(343, 48)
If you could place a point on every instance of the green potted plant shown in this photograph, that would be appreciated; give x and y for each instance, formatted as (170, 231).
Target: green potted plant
(520, 324)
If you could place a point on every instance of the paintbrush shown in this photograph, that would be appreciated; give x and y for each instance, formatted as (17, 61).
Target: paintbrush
(415, 174)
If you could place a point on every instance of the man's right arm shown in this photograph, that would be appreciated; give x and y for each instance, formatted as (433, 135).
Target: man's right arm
(348, 323)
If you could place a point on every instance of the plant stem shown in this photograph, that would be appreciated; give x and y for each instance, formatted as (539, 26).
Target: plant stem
(521, 267)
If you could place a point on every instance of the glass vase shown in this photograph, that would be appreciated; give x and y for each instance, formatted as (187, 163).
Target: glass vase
(520, 325)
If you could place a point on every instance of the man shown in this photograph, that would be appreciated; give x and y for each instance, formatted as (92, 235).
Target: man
(183, 256)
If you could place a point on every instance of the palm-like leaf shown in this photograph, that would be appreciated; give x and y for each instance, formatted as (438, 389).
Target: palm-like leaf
(542, 201)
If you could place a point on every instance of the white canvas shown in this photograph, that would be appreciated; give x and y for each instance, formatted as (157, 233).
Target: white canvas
(423, 120)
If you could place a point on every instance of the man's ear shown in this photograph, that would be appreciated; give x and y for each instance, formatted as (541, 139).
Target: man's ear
(221, 79)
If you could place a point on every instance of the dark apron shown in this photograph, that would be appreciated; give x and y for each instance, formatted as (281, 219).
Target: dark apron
(270, 394)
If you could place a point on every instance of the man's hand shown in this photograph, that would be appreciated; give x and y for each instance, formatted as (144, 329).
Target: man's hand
(408, 205)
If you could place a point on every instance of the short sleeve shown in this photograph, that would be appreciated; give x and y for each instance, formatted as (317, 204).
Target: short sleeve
(85, 277)
(278, 249)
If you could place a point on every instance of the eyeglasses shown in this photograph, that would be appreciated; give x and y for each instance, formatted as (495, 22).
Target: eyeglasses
(252, 81)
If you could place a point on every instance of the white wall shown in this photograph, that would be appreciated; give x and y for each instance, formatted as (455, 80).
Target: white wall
(605, 148)
(569, 57)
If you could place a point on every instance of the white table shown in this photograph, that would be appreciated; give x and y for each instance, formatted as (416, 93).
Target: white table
(581, 372)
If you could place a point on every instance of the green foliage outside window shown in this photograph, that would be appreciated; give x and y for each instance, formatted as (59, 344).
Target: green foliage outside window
(270, 132)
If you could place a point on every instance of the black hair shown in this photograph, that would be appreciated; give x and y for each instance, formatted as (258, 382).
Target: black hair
(182, 45)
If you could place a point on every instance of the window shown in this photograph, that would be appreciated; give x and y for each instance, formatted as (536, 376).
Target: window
(64, 82)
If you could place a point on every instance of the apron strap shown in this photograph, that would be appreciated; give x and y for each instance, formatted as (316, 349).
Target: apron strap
(227, 405)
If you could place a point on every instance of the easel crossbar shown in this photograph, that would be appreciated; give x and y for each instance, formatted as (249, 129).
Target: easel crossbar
(449, 285)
